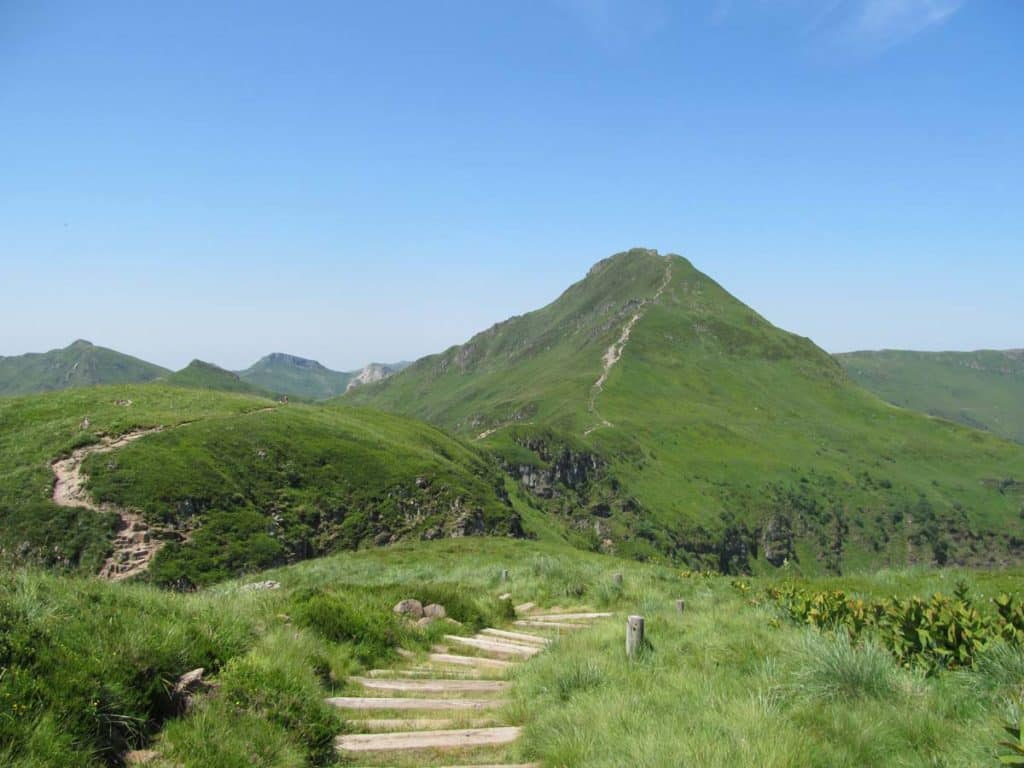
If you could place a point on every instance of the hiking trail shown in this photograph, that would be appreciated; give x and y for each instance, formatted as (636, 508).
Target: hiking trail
(613, 354)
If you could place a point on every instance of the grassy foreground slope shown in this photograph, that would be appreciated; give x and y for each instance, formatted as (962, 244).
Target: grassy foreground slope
(80, 364)
(89, 666)
(657, 414)
(983, 389)
(237, 481)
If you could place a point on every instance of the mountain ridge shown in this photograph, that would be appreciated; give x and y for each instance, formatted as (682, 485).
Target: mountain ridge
(79, 364)
(726, 433)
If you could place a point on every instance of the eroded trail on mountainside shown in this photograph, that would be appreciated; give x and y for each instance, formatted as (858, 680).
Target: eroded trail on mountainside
(613, 354)
(136, 542)
(134, 546)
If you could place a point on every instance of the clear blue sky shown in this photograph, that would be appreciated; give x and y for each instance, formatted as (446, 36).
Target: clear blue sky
(379, 180)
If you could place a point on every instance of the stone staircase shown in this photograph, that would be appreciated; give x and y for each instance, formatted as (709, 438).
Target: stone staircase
(446, 708)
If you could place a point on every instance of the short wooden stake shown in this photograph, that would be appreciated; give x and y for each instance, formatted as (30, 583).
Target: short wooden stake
(680, 606)
(634, 635)
(617, 578)
(504, 575)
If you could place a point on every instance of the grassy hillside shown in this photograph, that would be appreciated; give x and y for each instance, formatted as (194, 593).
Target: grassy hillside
(982, 389)
(235, 482)
(732, 681)
(297, 376)
(80, 364)
(202, 375)
(712, 436)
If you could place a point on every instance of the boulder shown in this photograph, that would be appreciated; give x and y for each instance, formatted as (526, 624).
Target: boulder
(435, 611)
(412, 609)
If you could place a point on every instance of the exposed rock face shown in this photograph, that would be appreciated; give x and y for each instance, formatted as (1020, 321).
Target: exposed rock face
(564, 466)
(777, 540)
(369, 374)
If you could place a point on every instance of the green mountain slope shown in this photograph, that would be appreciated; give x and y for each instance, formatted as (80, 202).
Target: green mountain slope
(983, 389)
(80, 364)
(202, 375)
(232, 482)
(298, 376)
(309, 379)
(659, 415)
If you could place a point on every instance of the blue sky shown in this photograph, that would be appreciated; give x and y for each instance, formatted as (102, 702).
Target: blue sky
(356, 181)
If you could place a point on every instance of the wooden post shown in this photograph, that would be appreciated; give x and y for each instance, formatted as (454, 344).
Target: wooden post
(680, 606)
(617, 578)
(634, 635)
(504, 575)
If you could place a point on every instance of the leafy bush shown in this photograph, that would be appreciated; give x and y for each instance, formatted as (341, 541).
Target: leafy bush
(940, 632)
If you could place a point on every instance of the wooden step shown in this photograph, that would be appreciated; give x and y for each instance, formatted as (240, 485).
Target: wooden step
(525, 607)
(369, 703)
(432, 686)
(547, 624)
(417, 723)
(568, 616)
(502, 649)
(518, 637)
(432, 673)
(445, 739)
(469, 661)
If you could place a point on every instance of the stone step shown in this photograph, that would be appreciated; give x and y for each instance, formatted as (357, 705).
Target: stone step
(495, 648)
(519, 637)
(432, 686)
(371, 703)
(411, 740)
(547, 624)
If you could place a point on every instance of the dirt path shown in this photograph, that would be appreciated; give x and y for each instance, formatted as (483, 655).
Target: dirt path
(613, 354)
(134, 546)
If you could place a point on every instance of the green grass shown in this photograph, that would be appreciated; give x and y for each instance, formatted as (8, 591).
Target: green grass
(983, 389)
(724, 428)
(726, 683)
(80, 364)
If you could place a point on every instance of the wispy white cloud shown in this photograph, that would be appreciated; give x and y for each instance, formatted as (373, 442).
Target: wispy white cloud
(871, 24)
(619, 23)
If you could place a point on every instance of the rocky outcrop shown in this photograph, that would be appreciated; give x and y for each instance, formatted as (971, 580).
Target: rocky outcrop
(369, 374)
(777, 541)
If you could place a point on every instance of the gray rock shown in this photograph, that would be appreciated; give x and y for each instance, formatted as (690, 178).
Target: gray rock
(412, 609)
(435, 611)
(258, 585)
